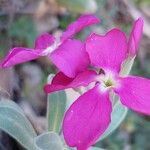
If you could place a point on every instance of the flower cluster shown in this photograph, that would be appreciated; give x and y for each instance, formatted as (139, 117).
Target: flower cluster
(90, 115)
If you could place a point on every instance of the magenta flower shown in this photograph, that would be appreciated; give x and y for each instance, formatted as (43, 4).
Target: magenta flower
(89, 116)
(135, 36)
(60, 51)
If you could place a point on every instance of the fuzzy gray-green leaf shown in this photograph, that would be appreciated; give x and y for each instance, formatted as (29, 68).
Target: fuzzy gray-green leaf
(14, 122)
(48, 141)
(118, 115)
(126, 66)
(56, 109)
(96, 148)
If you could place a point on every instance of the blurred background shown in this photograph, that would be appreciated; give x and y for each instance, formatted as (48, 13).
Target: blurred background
(21, 21)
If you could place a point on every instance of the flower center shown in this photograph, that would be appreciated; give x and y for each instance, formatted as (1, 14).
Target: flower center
(107, 81)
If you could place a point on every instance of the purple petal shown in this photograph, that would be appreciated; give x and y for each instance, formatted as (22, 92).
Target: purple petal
(135, 93)
(19, 55)
(79, 24)
(60, 81)
(108, 51)
(87, 118)
(135, 36)
(70, 57)
(43, 41)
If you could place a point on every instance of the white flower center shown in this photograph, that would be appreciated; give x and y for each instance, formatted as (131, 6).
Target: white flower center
(107, 81)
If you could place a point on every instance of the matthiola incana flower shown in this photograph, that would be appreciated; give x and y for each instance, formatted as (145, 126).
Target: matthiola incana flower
(90, 115)
(60, 51)
(135, 37)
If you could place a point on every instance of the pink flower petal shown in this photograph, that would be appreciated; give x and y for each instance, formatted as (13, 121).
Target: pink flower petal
(19, 55)
(108, 51)
(87, 118)
(79, 24)
(70, 57)
(60, 81)
(135, 93)
(43, 41)
(135, 36)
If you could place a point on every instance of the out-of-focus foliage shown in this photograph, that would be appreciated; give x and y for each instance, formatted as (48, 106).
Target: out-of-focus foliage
(141, 69)
(79, 6)
(23, 30)
(142, 2)
(20, 32)
(65, 20)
